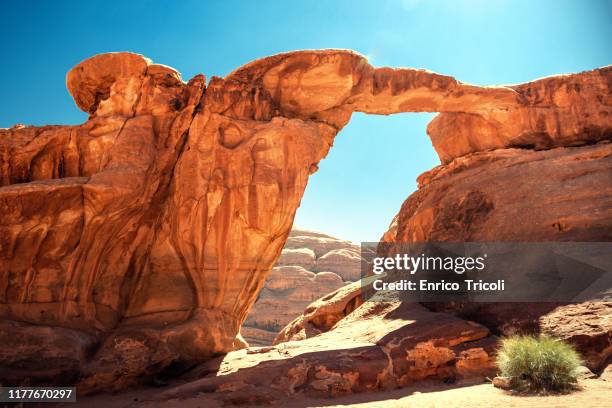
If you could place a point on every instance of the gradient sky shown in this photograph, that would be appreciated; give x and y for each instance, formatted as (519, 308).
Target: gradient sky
(375, 160)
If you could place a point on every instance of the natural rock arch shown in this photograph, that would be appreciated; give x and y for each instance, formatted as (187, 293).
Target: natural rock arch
(155, 223)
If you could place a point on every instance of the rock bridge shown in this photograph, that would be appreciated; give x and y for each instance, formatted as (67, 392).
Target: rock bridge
(155, 223)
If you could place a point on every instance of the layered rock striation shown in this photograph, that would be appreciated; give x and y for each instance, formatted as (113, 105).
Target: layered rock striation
(521, 195)
(140, 239)
(382, 345)
(310, 266)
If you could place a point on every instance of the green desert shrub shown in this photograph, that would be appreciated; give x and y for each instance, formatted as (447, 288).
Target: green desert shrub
(538, 363)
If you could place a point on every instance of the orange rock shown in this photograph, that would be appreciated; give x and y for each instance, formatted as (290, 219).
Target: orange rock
(322, 315)
(155, 223)
(521, 195)
(298, 279)
(499, 196)
(383, 344)
(563, 110)
(588, 326)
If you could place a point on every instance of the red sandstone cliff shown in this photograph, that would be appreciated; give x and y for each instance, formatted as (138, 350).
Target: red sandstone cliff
(138, 241)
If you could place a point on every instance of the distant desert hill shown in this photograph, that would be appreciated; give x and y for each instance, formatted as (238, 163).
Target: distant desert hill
(311, 265)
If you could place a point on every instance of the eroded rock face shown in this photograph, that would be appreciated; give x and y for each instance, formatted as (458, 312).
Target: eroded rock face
(383, 344)
(322, 315)
(299, 278)
(483, 197)
(563, 110)
(521, 195)
(287, 291)
(588, 326)
(143, 236)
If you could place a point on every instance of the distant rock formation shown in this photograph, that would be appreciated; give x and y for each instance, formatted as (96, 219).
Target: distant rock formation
(139, 240)
(310, 266)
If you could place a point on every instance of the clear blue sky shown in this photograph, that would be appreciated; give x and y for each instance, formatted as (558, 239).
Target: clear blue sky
(373, 166)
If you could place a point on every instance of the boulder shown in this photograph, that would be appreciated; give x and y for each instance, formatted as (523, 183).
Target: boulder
(588, 326)
(321, 315)
(583, 373)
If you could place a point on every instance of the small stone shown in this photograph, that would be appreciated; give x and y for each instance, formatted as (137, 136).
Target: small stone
(504, 383)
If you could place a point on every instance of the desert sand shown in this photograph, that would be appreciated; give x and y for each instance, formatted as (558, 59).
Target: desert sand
(593, 393)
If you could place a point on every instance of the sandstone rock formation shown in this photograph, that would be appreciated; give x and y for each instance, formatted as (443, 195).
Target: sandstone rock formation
(323, 314)
(521, 195)
(287, 291)
(381, 345)
(482, 197)
(141, 238)
(299, 278)
(588, 326)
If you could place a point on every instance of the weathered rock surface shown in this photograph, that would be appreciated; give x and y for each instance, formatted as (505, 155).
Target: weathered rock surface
(561, 194)
(588, 326)
(299, 278)
(521, 195)
(323, 314)
(344, 262)
(504, 383)
(584, 373)
(383, 344)
(563, 110)
(287, 291)
(148, 231)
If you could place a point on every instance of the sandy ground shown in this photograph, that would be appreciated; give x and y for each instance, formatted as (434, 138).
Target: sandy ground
(593, 393)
